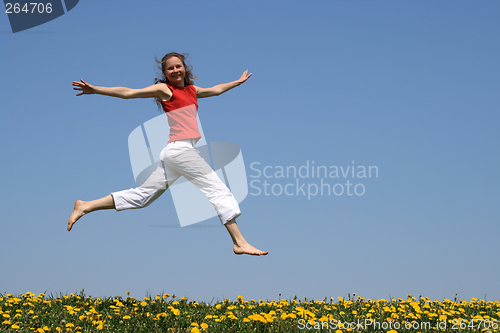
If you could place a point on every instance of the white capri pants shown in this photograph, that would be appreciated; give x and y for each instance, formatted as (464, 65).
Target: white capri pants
(180, 158)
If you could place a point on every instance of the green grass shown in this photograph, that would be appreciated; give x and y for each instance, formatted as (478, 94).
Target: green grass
(168, 313)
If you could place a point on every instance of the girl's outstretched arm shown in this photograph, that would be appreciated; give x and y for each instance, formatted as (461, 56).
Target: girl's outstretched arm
(156, 90)
(221, 88)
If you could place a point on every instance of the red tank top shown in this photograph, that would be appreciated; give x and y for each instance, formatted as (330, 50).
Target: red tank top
(181, 111)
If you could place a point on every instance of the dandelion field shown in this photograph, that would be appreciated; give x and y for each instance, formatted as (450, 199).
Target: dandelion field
(168, 313)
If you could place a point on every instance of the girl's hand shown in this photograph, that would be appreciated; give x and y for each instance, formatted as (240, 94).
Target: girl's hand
(84, 87)
(244, 77)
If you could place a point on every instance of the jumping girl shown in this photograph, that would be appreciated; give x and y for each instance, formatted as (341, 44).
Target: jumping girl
(177, 96)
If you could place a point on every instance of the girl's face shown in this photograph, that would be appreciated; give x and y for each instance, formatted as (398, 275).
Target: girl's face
(175, 71)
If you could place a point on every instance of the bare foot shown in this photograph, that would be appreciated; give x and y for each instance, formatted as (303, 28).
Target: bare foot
(78, 212)
(248, 249)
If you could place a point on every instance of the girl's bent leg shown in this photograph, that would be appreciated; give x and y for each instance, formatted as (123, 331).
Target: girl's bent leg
(83, 207)
(138, 197)
(156, 184)
(241, 246)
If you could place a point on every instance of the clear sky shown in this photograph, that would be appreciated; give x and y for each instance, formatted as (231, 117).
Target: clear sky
(409, 88)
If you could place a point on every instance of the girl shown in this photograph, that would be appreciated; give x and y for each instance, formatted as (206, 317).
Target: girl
(177, 95)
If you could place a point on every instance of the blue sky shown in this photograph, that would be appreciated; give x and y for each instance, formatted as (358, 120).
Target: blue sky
(409, 87)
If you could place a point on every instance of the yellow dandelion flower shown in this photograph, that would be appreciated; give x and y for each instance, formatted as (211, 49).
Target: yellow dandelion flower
(14, 327)
(195, 330)
(143, 303)
(246, 320)
(204, 326)
(126, 317)
(70, 325)
(257, 317)
(40, 330)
